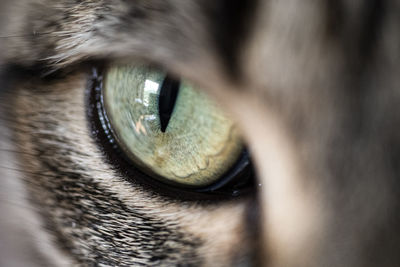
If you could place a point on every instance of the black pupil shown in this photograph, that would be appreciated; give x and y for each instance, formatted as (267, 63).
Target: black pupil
(166, 100)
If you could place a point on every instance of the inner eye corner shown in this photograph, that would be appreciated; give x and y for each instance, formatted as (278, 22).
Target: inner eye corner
(238, 178)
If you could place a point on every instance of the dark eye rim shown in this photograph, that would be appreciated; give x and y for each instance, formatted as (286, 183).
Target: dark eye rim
(237, 182)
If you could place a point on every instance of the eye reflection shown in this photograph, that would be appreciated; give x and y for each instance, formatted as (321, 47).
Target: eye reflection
(169, 128)
(150, 90)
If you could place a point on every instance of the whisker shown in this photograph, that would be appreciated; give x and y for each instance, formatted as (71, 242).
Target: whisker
(38, 34)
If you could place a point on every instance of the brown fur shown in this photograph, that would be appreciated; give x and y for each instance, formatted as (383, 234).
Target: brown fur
(312, 85)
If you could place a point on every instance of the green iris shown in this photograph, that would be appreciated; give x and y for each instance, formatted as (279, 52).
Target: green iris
(184, 138)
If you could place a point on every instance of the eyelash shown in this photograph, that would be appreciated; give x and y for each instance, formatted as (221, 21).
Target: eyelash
(239, 181)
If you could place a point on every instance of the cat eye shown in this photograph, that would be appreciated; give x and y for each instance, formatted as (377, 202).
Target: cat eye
(170, 130)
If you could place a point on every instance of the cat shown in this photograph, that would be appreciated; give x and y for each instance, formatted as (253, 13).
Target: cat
(312, 85)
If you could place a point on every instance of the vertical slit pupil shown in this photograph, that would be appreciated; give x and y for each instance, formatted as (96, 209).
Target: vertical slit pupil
(166, 100)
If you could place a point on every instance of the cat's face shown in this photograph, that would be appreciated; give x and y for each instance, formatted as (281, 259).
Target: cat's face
(312, 86)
